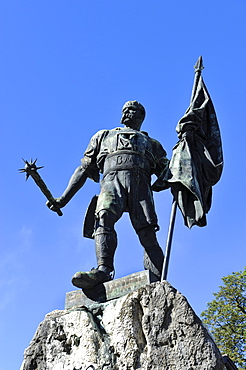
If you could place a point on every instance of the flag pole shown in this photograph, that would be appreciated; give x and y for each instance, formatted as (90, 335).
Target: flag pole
(169, 240)
(198, 70)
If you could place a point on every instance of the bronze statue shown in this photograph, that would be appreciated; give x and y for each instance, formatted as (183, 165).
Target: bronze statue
(127, 157)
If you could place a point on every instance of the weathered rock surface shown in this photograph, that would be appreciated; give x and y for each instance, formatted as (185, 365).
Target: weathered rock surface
(153, 328)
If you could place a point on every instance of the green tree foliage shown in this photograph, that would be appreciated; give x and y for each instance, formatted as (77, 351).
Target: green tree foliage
(225, 317)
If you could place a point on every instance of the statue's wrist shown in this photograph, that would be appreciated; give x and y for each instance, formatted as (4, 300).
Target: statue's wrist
(60, 202)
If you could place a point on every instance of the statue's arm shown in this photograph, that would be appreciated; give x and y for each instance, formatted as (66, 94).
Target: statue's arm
(76, 182)
(88, 168)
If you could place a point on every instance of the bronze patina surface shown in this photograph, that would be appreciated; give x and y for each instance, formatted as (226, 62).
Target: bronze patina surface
(127, 158)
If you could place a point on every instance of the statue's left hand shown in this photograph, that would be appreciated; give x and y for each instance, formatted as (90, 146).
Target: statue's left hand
(160, 185)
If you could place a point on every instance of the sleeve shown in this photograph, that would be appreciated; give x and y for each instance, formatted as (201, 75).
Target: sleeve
(162, 166)
(89, 161)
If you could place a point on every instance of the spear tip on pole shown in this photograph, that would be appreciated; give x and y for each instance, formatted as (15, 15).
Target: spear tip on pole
(199, 64)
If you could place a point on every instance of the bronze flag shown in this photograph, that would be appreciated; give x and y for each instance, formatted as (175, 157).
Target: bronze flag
(197, 159)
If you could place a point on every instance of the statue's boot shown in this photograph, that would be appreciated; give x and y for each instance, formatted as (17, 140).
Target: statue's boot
(153, 254)
(87, 280)
(105, 242)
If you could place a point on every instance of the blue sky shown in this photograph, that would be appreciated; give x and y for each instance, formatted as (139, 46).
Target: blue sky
(66, 69)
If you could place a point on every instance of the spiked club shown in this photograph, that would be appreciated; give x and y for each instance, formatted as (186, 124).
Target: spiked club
(32, 170)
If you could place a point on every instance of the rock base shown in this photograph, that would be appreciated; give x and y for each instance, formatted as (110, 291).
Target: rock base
(152, 328)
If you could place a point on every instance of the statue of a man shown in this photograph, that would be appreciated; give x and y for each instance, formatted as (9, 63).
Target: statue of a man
(127, 157)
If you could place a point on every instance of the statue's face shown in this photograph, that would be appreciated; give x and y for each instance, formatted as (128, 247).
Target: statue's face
(132, 117)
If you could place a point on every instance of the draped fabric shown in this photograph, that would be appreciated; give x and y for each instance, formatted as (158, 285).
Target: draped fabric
(197, 160)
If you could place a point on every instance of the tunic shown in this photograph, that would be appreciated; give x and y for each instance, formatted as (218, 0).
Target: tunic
(127, 158)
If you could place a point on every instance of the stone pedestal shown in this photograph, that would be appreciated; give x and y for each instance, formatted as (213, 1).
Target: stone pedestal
(110, 290)
(150, 328)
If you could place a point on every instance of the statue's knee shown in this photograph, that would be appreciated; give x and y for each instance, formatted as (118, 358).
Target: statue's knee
(105, 221)
(102, 216)
(146, 231)
(147, 235)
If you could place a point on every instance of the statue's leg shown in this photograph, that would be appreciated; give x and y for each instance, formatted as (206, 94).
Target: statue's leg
(105, 240)
(153, 254)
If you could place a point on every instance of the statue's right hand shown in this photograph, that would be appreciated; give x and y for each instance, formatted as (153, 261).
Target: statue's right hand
(55, 206)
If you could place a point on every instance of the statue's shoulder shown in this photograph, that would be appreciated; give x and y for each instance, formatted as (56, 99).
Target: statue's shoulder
(100, 133)
(157, 146)
(117, 129)
(145, 133)
(153, 141)
(106, 131)
(114, 131)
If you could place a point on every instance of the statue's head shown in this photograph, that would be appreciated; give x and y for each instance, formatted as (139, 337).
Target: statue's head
(133, 114)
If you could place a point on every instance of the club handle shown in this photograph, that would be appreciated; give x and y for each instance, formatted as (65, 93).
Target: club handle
(59, 212)
(55, 209)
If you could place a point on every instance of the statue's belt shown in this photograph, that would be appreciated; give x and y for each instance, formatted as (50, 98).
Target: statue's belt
(126, 160)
